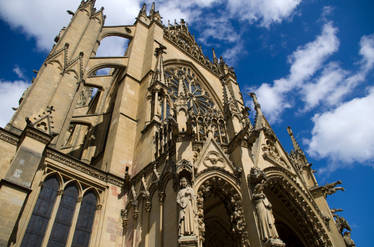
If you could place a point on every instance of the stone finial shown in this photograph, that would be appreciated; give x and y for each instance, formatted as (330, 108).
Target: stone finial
(159, 69)
(153, 9)
(215, 60)
(143, 10)
(296, 146)
(255, 101)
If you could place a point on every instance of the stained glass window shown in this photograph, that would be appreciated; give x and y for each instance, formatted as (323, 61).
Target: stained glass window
(42, 212)
(61, 226)
(85, 221)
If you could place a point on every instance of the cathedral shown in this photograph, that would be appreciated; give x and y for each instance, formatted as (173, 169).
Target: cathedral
(160, 151)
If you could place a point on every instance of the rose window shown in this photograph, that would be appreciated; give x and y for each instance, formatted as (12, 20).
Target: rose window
(183, 82)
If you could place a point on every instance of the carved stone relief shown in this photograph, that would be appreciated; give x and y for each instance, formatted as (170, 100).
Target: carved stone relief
(217, 186)
(272, 154)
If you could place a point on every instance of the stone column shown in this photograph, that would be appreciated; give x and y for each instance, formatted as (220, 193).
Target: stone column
(16, 185)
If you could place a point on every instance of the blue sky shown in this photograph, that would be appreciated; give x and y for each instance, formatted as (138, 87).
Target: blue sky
(309, 61)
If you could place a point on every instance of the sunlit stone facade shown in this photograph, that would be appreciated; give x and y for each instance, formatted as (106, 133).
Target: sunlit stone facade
(160, 151)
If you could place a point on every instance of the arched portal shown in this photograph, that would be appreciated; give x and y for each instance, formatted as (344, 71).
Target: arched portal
(288, 235)
(221, 221)
(296, 220)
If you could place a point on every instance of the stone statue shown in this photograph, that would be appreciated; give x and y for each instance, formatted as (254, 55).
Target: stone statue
(348, 240)
(185, 201)
(341, 223)
(264, 213)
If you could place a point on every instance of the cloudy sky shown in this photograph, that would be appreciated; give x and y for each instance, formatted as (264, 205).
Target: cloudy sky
(309, 61)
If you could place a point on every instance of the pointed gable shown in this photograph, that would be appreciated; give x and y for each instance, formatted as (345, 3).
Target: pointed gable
(213, 157)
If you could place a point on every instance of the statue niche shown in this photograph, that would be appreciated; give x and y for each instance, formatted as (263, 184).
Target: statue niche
(186, 201)
(265, 218)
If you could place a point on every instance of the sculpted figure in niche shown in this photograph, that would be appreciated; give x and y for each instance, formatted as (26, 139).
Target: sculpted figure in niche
(264, 214)
(185, 201)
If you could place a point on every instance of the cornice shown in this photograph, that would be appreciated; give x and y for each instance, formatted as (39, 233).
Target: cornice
(37, 135)
(83, 167)
(8, 137)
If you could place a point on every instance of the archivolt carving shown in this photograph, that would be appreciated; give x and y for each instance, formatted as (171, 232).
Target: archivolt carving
(289, 192)
(217, 186)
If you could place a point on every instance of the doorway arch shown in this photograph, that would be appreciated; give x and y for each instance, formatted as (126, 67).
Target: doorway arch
(297, 218)
(221, 220)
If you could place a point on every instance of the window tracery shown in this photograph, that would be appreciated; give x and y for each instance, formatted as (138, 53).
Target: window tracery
(73, 220)
(183, 82)
(41, 214)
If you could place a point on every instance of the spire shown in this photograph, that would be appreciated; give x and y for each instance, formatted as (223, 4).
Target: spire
(215, 60)
(154, 15)
(159, 70)
(296, 146)
(88, 3)
(298, 152)
(260, 119)
(256, 104)
(152, 11)
(143, 10)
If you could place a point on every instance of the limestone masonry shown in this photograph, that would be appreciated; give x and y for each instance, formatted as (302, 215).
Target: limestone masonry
(160, 151)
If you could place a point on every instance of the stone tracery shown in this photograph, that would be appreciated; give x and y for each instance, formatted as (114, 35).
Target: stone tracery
(183, 82)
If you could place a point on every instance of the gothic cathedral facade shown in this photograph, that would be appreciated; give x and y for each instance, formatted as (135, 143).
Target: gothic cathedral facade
(160, 151)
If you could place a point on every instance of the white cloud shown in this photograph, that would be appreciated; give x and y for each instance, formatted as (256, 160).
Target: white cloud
(43, 20)
(219, 29)
(345, 134)
(112, 47)
(367, 51)
(264, 11)
(19, 72)
(305, 62)
(324, 86)
(231, 55)
(335, 83)
(10, 93)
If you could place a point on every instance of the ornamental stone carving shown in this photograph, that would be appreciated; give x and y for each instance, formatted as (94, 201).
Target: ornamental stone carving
(271, 153)
(265, 216)
(187, 215)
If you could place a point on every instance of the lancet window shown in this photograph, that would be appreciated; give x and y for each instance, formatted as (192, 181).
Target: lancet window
(73, 218)
(41, 215)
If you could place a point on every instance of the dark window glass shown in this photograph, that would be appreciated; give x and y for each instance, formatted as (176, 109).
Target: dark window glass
(42, 212)
(85, 221)
(61, 227)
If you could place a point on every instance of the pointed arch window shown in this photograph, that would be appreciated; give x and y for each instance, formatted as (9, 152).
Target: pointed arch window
(85, 221)
(41, 214)
(61, 219)
(61, 226)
